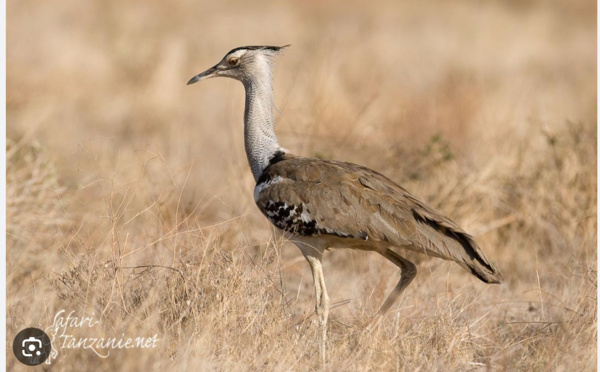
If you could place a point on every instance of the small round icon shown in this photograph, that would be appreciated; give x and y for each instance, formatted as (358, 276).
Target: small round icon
(32, 346)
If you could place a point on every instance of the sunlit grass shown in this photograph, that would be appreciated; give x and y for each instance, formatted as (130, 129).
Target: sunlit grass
(129, 197)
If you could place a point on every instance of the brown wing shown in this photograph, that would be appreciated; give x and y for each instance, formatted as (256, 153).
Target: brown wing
(315, 197)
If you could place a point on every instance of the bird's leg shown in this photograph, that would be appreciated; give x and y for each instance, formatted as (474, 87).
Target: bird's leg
(408, 271)
(322, 306)
(313, 255)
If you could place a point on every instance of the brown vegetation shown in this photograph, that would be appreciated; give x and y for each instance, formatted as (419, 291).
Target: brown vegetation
(129, 198)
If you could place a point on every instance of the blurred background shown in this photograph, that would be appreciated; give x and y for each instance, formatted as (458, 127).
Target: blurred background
(129, 195)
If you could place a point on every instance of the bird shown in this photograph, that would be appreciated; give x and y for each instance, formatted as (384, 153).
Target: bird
(325, 204)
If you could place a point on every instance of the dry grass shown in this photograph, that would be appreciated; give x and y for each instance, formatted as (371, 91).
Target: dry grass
(129, 196)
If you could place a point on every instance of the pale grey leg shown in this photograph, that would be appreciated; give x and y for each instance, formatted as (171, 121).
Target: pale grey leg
(407, 274)
(313, 255)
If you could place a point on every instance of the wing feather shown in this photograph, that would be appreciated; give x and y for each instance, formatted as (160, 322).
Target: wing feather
(351, 201)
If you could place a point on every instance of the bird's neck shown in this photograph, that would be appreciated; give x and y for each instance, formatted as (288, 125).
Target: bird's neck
(259, 124)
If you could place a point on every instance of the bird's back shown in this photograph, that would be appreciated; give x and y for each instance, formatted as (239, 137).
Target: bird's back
(311, 197)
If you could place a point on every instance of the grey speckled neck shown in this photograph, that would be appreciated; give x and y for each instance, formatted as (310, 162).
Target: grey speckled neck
(259, 120)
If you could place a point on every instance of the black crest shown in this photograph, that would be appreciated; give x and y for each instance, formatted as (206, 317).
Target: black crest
(256, 47)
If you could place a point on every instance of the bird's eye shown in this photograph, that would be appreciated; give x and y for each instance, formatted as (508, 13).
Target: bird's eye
(233, 61)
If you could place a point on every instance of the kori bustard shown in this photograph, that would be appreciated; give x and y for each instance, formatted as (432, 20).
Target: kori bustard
(321, 204)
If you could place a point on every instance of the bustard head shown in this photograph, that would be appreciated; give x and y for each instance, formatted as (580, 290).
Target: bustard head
(243, 64)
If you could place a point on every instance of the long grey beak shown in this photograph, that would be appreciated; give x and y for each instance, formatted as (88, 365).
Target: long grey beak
(205, 75)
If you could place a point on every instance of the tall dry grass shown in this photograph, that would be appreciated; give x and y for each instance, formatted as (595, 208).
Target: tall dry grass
(129, 197)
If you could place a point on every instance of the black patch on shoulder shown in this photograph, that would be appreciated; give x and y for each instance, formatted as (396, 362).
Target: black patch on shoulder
(277, 157)
(264, 177)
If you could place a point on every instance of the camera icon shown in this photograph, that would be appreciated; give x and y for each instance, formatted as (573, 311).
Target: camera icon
(31, 346)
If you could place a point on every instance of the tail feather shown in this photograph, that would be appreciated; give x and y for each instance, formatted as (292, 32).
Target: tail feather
(446, 240)
(477, 263)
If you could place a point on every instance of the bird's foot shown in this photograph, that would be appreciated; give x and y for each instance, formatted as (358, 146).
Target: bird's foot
(374, 324)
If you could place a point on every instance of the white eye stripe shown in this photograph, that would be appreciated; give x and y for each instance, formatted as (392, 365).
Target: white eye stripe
(237, 54)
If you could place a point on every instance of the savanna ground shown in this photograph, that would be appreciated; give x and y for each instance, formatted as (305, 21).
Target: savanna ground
(129, 198)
